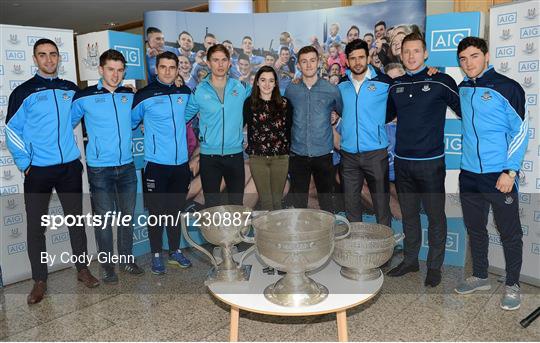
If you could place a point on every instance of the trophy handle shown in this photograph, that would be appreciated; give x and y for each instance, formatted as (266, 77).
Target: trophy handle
(250, 240)
(346, 221)
(183, 225)
(246, 254)
(398, 237)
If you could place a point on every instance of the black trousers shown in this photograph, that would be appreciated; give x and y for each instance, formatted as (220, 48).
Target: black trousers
(421, 182)
(214, 168)
(165, 188)
(477, 192)
(38, 185)
(301, 168)
(373, 167)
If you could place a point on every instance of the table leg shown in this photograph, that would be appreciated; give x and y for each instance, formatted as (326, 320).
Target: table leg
(235, 315)
(341, 317)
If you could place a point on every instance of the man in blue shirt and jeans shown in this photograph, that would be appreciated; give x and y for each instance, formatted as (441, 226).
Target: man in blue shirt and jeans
(106, 108)
(313, 100)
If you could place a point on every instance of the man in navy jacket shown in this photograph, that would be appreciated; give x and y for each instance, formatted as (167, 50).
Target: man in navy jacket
(40, 137)
(495, 137)
(419, 101)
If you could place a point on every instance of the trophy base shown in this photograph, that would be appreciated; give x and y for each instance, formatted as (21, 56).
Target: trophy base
(289, 293)
(228, 275)
(360, 274)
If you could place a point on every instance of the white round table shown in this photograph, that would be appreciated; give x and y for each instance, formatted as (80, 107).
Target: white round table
(248, 296)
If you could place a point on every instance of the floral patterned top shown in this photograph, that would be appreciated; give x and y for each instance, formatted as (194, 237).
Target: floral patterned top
(269, 132)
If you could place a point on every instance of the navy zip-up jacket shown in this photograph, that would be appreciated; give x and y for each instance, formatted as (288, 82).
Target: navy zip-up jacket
(362, 125)
(495, 124)
(38, 123)
(162, 107)
(107, 118)
(419, 101)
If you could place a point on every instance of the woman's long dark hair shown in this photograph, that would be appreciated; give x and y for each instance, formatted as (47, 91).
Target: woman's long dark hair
(276, 100)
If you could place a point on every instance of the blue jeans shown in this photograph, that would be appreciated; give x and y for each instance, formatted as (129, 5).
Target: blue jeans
(113, 189)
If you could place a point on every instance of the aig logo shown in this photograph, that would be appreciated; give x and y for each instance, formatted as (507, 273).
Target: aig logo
(15, 55)
(525, 198)
(132, 55)
(452, 143)
(140, 235)
(528, 66)
(452, 241)
(31, 40)
(16, 248)
(529, 32)
(8, 190)
(60, 237)
(505, 51)
(494, 239)
(13, 219)
(527, 166)
(137, 146)
(507, 18)
(56, 210)
(6, 161)
(447, 40)
(15, 83)
(532, 99)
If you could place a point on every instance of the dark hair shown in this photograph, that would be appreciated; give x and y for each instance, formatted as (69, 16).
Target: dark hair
(369, 34)
(243, 56)
(357, 44)
(412, 37)
(111, 55)
(284, 48)
(209, 35)
(167, 55)
(474, 42)
(276, 100)
(247, 37)
(185, 33)
(380, 22)
(226, 41)
(44, 41)
(215, 48)
(306, 50)
(354, 27)
(152, 29)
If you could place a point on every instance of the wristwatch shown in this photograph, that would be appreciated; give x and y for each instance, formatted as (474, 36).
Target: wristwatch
(510, 172)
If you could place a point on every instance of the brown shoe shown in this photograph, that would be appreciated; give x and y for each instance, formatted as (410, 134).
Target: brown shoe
(86, 277)
(37, 293)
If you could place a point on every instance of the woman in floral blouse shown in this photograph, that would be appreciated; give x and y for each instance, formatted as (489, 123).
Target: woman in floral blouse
(268, 117)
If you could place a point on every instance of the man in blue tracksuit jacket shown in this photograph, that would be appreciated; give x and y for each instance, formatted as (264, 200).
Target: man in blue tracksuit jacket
(162, 107)
(364, 143)
(219, 100)
(420, 101)
(106, 108)
(495, 137)
(40, 137)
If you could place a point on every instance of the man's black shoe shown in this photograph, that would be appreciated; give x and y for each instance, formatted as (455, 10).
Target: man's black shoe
(403, 269)
(433, 277)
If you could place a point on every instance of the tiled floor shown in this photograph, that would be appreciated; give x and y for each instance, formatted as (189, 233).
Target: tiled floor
(177, 307)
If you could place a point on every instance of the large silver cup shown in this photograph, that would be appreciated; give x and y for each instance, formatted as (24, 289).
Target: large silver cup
(212, 225)
(295, 241)
(368, 247)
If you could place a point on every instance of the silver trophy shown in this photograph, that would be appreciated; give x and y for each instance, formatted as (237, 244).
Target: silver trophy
(223, 226)
(295, 241)
(367, 247)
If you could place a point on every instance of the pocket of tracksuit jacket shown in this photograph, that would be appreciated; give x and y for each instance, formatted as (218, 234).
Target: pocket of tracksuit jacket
(202, 134)
(154, 143)
(31, 153)
(379, 133)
